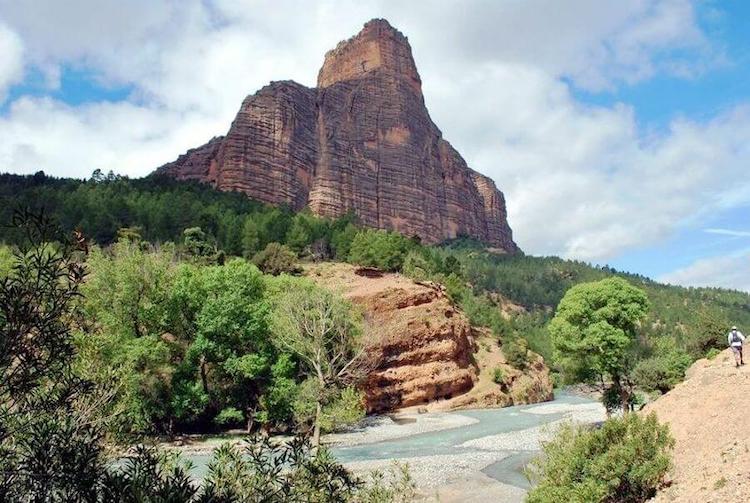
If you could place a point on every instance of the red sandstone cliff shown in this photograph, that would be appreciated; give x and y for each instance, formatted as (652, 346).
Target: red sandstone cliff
(425, 348)
(362, 141)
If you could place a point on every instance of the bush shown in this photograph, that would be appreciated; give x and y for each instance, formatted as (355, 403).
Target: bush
(516, 353)
(341, 408)
(662, 371)
(713, 353)
(392, 486)
(624, 461)
(416, 266)
(229, 416)
(498, 376)
(378, 248)
(276, 259)
(482, 311)
(262, 471)
(708, 332)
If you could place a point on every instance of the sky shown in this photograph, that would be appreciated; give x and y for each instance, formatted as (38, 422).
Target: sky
(618, 131)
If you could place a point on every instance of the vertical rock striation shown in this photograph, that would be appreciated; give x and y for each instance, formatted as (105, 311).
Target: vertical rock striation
(362, 140)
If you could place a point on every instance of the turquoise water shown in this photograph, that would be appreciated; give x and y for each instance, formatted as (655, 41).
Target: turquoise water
(490, 422)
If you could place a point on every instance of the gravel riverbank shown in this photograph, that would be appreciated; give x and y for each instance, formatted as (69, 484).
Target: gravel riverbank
(458, 476)
(471, 455)
(382, 428)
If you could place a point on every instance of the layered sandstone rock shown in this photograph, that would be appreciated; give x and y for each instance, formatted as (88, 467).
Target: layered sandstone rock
(425, 348)
(361, 141)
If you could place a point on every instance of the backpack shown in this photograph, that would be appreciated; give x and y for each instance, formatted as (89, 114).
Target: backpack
(736, 337)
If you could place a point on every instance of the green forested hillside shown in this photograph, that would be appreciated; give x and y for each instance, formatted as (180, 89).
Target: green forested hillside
(205, 223)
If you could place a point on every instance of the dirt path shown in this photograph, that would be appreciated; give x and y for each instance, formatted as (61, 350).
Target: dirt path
(709, 414)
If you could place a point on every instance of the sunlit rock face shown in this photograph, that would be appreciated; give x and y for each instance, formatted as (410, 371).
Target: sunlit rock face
(361, 141)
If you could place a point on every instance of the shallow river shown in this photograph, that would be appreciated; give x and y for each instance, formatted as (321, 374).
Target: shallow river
(490, 422)
(508, 468)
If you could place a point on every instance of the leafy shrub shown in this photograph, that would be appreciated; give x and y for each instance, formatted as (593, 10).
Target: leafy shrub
(200, 247)
(452, 265)
(378, 248)
(713, 353)
(416, 266)
(342, 236)
(228, 416)
(262, 471)
(662, 371)
(341, 408)
(484, 312)
(516, 353)
(346, 409)
(708, 332)
(557, 379)
(276, 259)
(624, 461)
(149, 474)
(498, 376)
(394, 485)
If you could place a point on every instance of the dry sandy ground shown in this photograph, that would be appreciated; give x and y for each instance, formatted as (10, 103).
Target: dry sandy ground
(341, 277)
(708, 414)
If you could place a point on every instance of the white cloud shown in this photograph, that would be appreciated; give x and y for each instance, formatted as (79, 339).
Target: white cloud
(729, 271)
(728, 232)
(11, 61)
(40, 133)
(585, 182)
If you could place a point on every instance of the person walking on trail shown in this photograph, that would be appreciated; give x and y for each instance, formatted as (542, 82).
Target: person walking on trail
(735, 340)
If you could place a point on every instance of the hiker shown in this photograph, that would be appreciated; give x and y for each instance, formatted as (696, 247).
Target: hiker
(735, 340)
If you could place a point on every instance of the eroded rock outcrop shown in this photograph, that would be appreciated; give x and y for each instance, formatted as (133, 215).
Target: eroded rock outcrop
(425, 347)
(361, 141)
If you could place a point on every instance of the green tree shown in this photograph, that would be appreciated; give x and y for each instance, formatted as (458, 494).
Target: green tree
(123, 342)
(594, 329)
(341, 240)
(299, 235)
(250, 238)
(200, 246)
(379, 248)
(321, 330)
(664, 369)
(709, 331)
(48, 451)
(228, 358)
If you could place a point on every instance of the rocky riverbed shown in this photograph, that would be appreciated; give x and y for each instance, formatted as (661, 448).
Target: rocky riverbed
(481, 458)
(471, 455)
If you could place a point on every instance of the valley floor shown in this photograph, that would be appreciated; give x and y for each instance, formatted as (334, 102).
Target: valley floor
(471, 455)
(481, 461)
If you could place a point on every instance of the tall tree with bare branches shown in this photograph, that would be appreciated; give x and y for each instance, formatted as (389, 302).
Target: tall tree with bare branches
(324, 332)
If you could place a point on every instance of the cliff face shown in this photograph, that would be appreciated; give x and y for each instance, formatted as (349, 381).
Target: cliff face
(362, 141)
(425, 349)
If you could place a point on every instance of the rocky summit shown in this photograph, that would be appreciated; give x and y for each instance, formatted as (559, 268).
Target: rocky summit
(361, 141)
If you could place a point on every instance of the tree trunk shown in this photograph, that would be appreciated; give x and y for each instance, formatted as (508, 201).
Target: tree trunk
(250, 415)
(316, 425)
(204, 377)
(624, 397)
